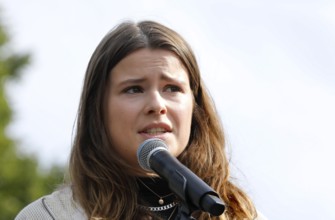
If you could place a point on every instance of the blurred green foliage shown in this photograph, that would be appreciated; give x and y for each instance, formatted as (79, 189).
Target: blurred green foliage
(21, 179)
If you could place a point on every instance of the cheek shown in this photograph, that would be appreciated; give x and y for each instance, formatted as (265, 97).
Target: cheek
(117, 121)
(189, 106)
(120, 120)
(185, 119)
(119, 111)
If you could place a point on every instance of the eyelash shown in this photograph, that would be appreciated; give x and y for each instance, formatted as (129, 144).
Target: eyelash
(139, 89)
(174, 88)
(131, 89)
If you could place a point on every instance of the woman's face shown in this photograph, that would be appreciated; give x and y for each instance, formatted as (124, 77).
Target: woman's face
(149, 96)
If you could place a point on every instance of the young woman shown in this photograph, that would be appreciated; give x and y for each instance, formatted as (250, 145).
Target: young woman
(142, 82)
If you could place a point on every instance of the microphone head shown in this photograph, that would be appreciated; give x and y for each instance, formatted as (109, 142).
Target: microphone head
(146, 149)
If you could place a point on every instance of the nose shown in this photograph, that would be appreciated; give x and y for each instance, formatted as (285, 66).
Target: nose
(156, 104)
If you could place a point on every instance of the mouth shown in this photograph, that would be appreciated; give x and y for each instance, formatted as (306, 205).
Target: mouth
(155, 131)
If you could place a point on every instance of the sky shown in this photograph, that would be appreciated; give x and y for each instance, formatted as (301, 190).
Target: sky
(269, 66)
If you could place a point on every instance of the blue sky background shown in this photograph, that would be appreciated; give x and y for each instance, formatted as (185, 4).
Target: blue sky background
(269, 65)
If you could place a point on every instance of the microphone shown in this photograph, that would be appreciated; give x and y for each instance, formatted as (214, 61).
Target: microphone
(153, 155)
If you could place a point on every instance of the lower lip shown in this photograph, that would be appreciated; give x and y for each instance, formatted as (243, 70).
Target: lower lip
(162, 136)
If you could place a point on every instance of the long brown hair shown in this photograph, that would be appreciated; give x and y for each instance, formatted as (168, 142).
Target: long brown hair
(100, 184)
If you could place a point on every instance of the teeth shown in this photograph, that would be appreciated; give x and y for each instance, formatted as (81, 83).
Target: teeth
(155, 130)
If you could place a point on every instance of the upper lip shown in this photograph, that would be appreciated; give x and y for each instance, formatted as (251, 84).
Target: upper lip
(163, 125)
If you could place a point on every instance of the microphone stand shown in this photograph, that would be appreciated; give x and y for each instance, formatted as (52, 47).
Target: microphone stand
(185, 208)
(184, 213)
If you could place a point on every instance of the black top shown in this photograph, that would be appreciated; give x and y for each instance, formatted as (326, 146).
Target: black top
(151, 190)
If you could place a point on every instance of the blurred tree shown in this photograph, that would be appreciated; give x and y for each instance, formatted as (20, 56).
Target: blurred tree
(21, 180)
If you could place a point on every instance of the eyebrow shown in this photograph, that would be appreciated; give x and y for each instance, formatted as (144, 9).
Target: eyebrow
(164, 77)
(169, 78)
(132, 81)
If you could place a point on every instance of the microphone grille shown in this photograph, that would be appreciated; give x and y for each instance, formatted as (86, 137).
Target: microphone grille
(146, 149)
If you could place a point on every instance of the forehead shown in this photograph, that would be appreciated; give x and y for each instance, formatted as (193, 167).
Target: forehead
(146, 61)
(152, 57)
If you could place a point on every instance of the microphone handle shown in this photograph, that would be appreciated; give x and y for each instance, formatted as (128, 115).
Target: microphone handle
(183, 182)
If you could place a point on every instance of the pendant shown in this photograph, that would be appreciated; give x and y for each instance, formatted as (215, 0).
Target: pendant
(161, 201)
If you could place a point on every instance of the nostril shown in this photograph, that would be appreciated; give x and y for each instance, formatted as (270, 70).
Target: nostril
(163, 111)
(157, 111)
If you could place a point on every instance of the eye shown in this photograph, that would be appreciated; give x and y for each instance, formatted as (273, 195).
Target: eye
(133, 89)
(173, 88)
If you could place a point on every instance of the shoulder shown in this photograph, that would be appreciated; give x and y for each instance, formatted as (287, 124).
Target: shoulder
(58, 205)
